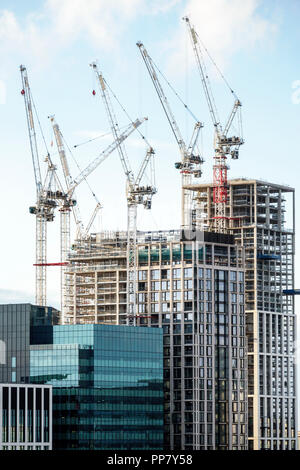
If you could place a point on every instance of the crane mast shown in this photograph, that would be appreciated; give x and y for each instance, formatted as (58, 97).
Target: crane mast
(224, 146)
(190, 162)
(68, 204)
(136, 194)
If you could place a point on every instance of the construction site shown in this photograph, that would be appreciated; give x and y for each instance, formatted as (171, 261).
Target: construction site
(220, 284)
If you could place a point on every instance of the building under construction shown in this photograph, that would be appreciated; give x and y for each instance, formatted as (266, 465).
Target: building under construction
(194, 289)
(257, 214)
(255, 219)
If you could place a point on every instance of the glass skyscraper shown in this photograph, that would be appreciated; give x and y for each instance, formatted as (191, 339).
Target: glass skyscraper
(107, 384)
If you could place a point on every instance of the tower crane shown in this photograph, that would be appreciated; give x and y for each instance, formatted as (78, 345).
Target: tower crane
(70, 202)
(136, 194)
(190, 165)
(49, 194)
(224, 146)
(81, 232)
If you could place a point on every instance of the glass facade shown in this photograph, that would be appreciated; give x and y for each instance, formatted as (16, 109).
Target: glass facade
(15, 322)
(107, 384)
(198, 300)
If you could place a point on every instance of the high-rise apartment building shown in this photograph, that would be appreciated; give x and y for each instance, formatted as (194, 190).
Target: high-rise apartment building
(191, 285)
(261, 216)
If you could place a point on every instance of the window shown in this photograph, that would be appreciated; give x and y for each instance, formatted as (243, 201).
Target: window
(154, 274)
(188, 272)
(188, 306)
(176, 273)
(165, 274)
(176, 285)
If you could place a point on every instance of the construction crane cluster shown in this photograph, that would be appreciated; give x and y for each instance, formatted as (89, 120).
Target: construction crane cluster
(51, 195)
(136, 194)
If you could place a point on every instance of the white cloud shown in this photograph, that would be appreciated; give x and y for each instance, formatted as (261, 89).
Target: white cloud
(43, 33)
(100, 21)
(157, 6)
(59, 23)
(15, 296)
(224, 26)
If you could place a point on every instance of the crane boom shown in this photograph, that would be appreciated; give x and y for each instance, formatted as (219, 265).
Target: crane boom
(190, 163)
(31, 129)
(162, 97)
(236, 106)
(91, 221)
(105, 153)
(113, 121)
(203, 75)
(67, 175)
(143, 166)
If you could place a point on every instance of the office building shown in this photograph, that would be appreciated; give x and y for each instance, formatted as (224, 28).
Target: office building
(107, 385)
(25, 417)
(15, 323)
(106, 381)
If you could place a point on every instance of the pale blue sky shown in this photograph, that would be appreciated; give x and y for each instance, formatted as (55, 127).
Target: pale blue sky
(255, 42)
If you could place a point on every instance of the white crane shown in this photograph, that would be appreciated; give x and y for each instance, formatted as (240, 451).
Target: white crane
(190, 161)
(224, 146)
(49, 194)
(70, 202)
(136, 194)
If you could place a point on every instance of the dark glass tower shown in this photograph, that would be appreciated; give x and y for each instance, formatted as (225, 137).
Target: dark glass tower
(107, 385)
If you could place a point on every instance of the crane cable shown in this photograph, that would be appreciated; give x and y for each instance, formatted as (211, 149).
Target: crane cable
(129, 117)
(95, 138)
(79, 169)
(39, 123)
(217, 68)
(126, 113)
(175, 92)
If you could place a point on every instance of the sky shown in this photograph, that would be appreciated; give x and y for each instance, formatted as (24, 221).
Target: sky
(256, 45)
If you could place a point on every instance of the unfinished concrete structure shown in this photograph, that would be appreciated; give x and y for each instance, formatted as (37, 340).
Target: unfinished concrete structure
(256, 213)
(193, 289)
